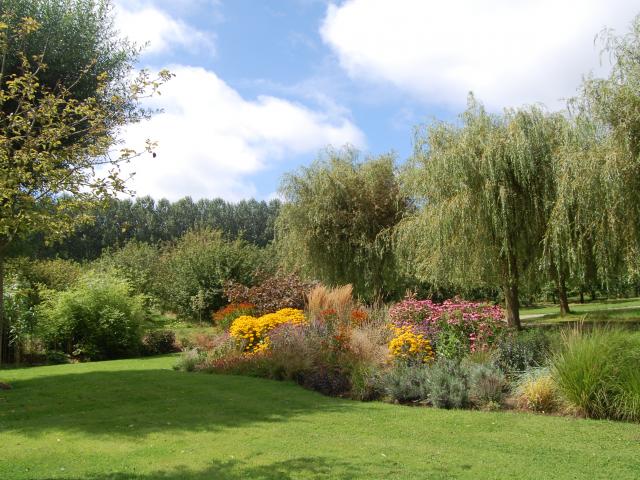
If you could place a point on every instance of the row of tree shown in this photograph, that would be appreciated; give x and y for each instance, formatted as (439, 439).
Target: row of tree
(119, 221)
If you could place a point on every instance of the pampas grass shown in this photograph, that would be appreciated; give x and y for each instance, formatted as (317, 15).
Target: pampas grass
(339, 299)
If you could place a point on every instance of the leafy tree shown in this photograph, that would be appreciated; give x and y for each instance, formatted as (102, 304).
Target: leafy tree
(595, 223)
(55, 135)
(484, 187)
(337, 221)
(136, 262)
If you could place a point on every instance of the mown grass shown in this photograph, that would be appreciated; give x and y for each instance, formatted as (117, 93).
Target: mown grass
(138, 419)
(581, 308)
(183, 330)
(628, 317)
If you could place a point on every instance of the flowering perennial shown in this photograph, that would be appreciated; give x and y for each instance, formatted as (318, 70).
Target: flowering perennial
(253, 331)
(232, 311)
(454, 324)
(408, 345)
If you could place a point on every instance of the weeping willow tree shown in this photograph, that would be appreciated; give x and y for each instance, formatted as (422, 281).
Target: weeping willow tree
(582, 240)
(337, 219)
(486, 189)
(596, 217)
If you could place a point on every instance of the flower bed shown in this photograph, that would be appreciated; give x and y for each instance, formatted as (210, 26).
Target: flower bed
(454, 328)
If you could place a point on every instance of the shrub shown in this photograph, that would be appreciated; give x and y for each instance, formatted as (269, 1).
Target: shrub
(407, 383)
(189, 360)
(192, 272)
(269, 293)
(56, 357)
(54, 274)
(225, 316)
(366, 382)
(332, 380)
(598, 371)
(536, 390)
(159, 342)
(486, 384)
(97, 318)
(520, 351)
(448, 384)
(454, 328)
(19, 311)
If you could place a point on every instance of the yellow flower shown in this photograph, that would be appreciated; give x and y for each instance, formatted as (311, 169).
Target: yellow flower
(255, 329)
(409, 345)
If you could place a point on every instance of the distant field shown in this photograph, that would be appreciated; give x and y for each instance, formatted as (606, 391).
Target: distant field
(138, 419)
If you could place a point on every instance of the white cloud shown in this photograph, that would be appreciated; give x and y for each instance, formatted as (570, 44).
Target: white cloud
(144, 23)
(212, 140)
(508, 52)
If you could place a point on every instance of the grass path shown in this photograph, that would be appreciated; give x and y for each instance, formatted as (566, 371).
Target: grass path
(137, 419)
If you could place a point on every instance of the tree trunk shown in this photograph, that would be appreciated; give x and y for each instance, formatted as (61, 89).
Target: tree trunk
(581, 295)
(4, 337)
(513, 305)
(562, 296)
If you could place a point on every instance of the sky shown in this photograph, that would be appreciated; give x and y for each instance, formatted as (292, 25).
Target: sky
(264, 87)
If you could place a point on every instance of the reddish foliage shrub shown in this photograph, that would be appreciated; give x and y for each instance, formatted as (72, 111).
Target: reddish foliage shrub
(271, 294)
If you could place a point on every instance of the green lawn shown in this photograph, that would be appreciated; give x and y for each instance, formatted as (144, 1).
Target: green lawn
(583, 307)
(183, 329)
(629, 317)
(138, 419)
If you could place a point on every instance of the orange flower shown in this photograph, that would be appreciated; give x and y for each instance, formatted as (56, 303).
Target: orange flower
(358, 316)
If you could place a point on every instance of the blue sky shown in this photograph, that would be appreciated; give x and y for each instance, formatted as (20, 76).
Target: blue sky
(263, 86)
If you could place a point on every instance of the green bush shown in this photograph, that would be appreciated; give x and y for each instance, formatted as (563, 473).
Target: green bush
(407, 383)
(189, 360)
(598, 371)
(55, 357)
(520, 351)
(192, 273)
(486, 384)
(97, 318)
(159, 342)
(55, 274)
(448, 384)
(366, 383)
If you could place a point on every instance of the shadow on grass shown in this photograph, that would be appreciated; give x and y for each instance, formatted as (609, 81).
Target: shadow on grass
(139, 402)
(305, 467)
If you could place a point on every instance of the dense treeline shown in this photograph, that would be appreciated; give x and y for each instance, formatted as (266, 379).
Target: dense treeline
(146, 220)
